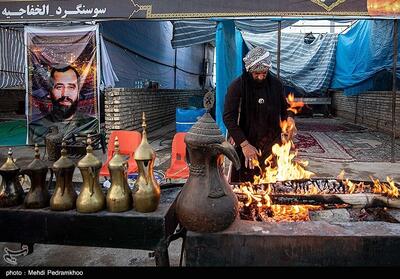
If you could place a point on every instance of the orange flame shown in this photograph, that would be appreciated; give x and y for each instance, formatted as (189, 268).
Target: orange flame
(294, 106)
(280, 165)
(389, 189)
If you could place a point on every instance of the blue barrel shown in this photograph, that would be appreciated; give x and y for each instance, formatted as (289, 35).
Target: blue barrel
(186, 117)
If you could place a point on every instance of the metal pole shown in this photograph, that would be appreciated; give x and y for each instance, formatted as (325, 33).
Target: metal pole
(176, 53)
(395, 54)
(278, 62)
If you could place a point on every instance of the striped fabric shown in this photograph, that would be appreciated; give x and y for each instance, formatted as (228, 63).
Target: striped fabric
(12, 59)
(261, 26)
(307, 66)
(188, 33)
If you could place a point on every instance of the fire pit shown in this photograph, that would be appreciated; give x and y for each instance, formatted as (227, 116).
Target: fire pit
(287, 218)
(313, 222)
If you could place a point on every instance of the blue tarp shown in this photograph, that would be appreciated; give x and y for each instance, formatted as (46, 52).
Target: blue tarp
(365, 50)
(229, 45)
(141, 50)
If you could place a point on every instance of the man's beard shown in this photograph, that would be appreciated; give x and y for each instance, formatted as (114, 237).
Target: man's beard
(61, 112)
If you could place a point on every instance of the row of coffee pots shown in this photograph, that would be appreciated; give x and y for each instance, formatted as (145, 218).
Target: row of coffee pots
(145, 196)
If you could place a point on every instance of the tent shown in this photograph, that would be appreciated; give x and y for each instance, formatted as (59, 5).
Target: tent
(229, 47)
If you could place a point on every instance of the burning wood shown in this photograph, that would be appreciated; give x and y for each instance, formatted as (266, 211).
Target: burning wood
(292, 200)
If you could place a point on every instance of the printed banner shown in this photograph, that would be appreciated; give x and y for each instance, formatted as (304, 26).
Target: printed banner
(61, 10)
(384, 7)
(62, 81)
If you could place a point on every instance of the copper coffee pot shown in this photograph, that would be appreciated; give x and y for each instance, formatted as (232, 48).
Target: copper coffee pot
(38, 196)
(119, 196)
(64, 196)
(11, 192)
(207, 202)
(147, 191)
(91, 198)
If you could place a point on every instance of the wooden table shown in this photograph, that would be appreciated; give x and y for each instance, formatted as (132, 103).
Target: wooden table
(130, 229)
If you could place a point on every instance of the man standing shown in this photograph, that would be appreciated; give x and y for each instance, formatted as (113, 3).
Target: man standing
(64, 94)
(254, 106)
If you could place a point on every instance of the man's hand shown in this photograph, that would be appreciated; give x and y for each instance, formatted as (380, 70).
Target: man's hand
(250, 153)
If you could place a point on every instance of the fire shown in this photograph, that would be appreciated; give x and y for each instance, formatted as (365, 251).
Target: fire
(260, 201)
(292, 213)
(280, 165)
(389, 189)
(295, 106)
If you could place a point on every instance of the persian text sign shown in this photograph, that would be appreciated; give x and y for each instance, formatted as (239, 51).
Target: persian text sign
(174, 9)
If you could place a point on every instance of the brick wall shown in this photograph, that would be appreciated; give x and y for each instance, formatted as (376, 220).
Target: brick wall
(123, 107)
(12, 103)
(373, 109)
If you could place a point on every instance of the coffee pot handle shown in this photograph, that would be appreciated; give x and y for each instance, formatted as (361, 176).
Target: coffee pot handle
(216, 190)
(51, 178)
(21, 176)
(229, 151)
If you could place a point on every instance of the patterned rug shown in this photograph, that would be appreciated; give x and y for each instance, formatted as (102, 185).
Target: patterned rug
(318, 145)
(326, 125)
(369, 146)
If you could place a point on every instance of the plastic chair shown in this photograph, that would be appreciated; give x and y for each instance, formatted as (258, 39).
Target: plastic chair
(128, 142)
(179, 168)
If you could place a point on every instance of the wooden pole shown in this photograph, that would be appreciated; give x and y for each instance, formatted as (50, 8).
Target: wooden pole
(395, 54)
(278, 63)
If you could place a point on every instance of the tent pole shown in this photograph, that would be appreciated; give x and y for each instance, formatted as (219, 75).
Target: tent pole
(176, 53)
(395, 54)
(278, 63)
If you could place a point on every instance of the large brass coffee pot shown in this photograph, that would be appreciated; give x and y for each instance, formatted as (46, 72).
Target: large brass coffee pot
(207, 202)
(38, 195)
(11, 192)
(146, 196)
(91, 198)
(119, 196)
(64, 197)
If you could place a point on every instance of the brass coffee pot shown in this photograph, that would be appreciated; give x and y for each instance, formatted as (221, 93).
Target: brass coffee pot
(91, 198)
(207, 202)
(38, 196)
(64, 196)
(11, 192)
(147, 195)
(119, 196)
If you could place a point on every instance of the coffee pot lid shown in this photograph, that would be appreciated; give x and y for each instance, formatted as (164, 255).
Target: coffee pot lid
(90, 160)
(9, 165)
(64, 162)
(204, 131)
(37, 164)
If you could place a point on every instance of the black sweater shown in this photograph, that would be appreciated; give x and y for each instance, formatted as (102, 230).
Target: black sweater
(263, 105)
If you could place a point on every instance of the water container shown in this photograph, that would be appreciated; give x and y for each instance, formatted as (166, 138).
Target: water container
(186, 117)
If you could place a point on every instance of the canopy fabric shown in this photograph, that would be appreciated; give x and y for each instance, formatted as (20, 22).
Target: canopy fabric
(141, 51)
(12, 58)
(229, 63)
(306, 66)
(108, 75)
(188, 33)
(365, 50)
(262, 26)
